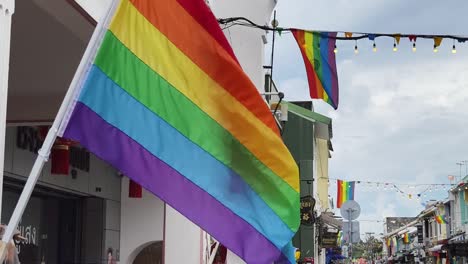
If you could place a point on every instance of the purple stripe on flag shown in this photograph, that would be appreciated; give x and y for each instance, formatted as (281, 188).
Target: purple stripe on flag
(351, 190)
(125, 154)
(332, 62)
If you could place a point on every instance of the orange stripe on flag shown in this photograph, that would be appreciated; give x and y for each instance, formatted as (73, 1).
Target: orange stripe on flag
(172, 20)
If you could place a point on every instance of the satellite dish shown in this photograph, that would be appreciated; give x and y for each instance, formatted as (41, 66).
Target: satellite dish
(350, 210)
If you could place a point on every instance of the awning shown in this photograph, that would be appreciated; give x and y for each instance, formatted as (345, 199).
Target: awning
(457, 238)
(436, 248)
(412, 230)
(329, 220)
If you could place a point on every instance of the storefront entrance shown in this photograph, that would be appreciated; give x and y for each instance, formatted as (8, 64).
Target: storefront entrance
(50, 224)
(152, 254)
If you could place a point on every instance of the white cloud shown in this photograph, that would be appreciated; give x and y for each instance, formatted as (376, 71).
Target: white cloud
(402, 115)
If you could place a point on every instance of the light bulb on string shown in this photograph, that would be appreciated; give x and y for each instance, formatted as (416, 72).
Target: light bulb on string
(454, 50)
(335, 50)
(374, 47)
(435, 49)
(414, 46)
(356, 51)
(395, 47)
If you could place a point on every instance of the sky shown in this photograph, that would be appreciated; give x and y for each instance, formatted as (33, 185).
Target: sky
(402, 115)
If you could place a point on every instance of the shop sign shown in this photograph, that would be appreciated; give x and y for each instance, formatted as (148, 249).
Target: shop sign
(307, 210)
(329, 240)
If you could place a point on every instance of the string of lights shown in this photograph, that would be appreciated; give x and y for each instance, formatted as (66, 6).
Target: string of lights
(409, 190)
(383, 184)
(350, 36)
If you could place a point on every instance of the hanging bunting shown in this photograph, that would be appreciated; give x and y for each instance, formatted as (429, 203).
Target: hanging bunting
(280, 31)
(397, 38)
(348, 34)
(437, 41)
(412, 38)
(345, 192)
(319, 58)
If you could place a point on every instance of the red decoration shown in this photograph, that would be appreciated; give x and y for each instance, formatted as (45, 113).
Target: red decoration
(60, 153)
(134, 190)
(60, 160)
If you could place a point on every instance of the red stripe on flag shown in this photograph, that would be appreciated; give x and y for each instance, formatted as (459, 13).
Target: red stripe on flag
(339, 199)
(315, 91)
(200, 11)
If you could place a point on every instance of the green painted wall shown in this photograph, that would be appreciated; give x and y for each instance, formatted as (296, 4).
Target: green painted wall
(298, 135)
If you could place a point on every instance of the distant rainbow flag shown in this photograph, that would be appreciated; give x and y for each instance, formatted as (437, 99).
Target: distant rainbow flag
(345, 192)
(406, 238)
(166, 102)
(317, 50)
(440, 219)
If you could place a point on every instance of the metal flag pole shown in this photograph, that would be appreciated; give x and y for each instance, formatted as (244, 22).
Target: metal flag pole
(7, 9)
(44, 152)
(350, 249)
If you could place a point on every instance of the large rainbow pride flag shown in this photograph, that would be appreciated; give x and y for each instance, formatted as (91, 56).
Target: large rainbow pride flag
(167, 103)
(317, 50)
(345, 192)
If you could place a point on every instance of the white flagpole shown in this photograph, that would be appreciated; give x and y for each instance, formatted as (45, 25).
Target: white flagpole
(44, 152)
(7, 9)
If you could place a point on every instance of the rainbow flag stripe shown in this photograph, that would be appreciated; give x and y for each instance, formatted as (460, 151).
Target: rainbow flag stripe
(167, 103)
(440, 219)
(406, 238)
(395, 243)
(317, 50)
(345, 192)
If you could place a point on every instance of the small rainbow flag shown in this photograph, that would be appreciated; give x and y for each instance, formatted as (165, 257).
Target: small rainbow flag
(345, 192)
(166, 102)
(318, 53)
(406, 238)
(440, 219)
